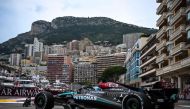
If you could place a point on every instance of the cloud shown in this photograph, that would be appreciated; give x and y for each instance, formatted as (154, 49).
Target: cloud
(19, 14)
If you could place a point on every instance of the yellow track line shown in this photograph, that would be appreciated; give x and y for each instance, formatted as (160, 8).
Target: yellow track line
(6, 100)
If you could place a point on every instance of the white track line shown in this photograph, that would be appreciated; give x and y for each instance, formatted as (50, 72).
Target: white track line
(184, 105)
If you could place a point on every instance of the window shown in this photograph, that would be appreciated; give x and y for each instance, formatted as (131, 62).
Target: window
(188, 16)
(137, 45)
(169, 47)
(188, 36)
(137, 63)
(169, 19)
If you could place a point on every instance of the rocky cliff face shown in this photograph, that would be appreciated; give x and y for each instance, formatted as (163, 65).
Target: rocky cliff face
(40, 27)
(75, 21)
(74, 28)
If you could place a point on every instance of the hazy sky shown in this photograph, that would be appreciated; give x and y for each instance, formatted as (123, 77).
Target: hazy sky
(16, 16)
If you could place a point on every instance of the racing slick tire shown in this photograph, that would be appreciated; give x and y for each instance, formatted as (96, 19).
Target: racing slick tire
(44, 100)
(136, 101)
(133, 103)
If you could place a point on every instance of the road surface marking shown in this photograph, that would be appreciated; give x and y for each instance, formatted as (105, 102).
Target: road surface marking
(7, 100)
(184, 105)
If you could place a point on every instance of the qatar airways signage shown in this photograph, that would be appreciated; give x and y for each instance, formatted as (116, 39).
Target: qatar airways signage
(6, 91)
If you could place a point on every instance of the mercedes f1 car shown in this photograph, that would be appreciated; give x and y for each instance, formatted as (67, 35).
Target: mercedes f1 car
(111, 96)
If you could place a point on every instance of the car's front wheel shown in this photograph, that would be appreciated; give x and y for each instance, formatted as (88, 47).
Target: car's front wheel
(44, 100)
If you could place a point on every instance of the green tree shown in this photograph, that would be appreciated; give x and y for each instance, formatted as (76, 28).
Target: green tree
(112, 73)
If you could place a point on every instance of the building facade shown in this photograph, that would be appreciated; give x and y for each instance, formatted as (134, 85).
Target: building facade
(38, 46)
(131, 39)
(55, 68)
(29, 50)
(74, 45)
(148, 64)
(58, 49)
(15, 59)
(106, 61)
(133, 63)
(68, 69)
(173, 47)
(85, 72)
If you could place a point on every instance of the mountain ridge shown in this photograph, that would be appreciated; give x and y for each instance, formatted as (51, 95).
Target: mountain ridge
(69, 28)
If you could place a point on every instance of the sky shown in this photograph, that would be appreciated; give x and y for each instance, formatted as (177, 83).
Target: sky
(16, 16)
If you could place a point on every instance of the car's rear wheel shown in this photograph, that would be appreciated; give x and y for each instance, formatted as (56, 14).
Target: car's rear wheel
(132, 103)
(44, 100)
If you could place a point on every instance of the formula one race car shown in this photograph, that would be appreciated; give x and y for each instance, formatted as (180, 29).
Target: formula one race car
(111, 96)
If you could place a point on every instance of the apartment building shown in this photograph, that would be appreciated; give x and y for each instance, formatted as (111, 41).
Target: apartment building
(15, 59)
(85, 72)
(68, 69)
(174, 38)
(106, 61)
(58, 49)
(148, 64)
(55, 67)
(29, 50)
(38, 46)
(74, 45)
(133, 63)
(131, 39)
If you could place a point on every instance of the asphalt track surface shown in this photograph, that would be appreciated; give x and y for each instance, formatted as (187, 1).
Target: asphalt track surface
(19, 106)
(16, 103)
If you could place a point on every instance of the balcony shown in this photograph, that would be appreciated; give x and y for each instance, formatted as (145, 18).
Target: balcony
(178, 48)
(175, 4)
(180, 30)
(161, 58)
(169, 4)
(143, 84)
(147, 73)
(162, 7)
(148, 61)
(162, 19)
(150, 49)
(161, 32)
(170, 30)
(174, 67)
(160, 45)
(179, 15)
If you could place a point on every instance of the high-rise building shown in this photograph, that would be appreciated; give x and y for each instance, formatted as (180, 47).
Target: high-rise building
(74, 45)
(29, 50)
(174, 40)
(148, 64)
(131, 39)
(133, 63)
(85, 72)
(38, 46)
(68, 69)
(83, 43)
(37, 51)
(58, 49)
(55, 67)
(15, 59)
(106, 61)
